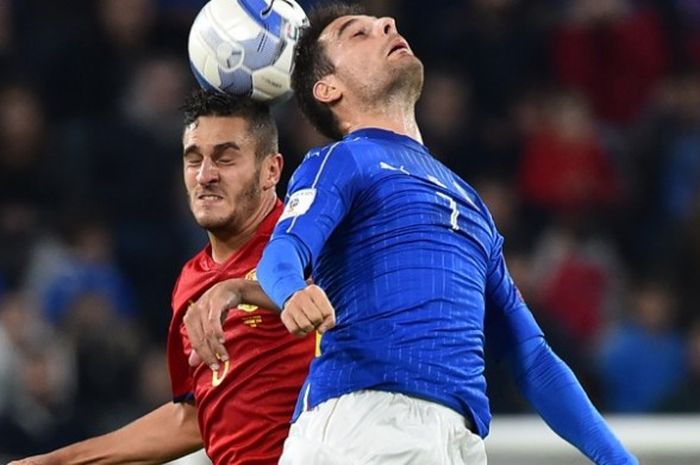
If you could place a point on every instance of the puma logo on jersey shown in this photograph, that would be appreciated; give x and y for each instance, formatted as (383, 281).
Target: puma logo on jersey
(387, 166)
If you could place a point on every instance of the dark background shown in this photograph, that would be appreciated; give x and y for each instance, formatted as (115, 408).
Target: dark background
(578, 121)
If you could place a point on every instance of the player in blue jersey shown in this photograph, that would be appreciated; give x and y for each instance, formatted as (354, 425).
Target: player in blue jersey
(411, 261)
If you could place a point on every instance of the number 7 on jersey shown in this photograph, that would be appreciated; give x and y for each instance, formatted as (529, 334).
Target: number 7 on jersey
(453, 206)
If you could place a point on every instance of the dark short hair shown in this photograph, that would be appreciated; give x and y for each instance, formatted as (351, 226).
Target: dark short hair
(312, 64)
(261, 124)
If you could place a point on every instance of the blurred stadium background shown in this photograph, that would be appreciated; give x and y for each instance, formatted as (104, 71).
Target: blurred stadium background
(577, 120)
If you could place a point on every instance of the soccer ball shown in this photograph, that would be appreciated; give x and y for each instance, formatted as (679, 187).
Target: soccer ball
(246, 47)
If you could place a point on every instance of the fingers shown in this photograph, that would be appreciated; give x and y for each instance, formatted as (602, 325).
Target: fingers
(204, 323)
(297, 323)
(307, 310)
(194, 320)
(194, 360)
(326, 310)
(214, 330)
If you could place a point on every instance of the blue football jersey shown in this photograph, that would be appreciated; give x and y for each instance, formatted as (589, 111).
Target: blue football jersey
(412, 262)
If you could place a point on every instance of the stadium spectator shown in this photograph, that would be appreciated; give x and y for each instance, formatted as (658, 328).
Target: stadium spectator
(40, 392)
(641, 360)
(565, 170)
(579, 280)
(32, 185)
(685, 397)
(103, 117)
(614, 52)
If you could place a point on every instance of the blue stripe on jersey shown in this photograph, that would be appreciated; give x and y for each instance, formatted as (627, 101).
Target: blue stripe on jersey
(410, 258)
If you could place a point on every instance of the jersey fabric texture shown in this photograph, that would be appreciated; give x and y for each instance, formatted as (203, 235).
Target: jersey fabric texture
(411, 259)
(245, 407)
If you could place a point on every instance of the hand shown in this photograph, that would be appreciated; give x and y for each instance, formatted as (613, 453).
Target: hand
(204, 323)
(307, 310)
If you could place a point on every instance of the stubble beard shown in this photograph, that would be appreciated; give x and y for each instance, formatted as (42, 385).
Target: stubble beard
(244, 206)
(405, 83)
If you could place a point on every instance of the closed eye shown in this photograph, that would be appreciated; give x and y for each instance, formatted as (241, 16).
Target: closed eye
(193, 161)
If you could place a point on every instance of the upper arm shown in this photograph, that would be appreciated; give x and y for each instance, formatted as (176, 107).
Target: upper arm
(320, 195)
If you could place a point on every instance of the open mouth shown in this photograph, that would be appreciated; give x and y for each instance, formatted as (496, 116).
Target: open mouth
(398, 46)
(209, 197)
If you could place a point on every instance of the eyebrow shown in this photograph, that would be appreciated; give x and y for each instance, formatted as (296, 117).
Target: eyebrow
(345, 25)
(216, 152)
(191, 149)
(221, 148)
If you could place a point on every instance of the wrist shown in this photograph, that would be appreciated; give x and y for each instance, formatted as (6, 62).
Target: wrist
(248, 291)
(237, 287)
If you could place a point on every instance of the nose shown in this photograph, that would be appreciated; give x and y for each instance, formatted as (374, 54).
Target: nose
(387, 25)
(208, 172)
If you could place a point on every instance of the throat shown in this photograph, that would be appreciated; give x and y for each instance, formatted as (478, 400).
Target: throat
(399, 125)
(395, 113)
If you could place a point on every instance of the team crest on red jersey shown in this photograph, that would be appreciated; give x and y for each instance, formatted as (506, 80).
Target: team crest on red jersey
(251, 320)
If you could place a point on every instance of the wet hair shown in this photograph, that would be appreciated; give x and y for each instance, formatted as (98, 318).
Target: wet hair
(312, 64)
(261, 124)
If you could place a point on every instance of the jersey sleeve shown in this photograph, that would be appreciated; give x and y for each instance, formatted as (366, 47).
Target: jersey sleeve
(180, 380)
(508, 321)
(543, 378)
(321, 193)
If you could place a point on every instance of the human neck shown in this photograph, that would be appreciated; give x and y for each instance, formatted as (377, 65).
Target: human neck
(225, 243)
(399, 118)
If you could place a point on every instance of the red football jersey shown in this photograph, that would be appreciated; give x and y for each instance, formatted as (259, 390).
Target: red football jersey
(244, 409)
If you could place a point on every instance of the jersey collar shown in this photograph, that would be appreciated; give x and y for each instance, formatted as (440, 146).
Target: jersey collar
(387, 136)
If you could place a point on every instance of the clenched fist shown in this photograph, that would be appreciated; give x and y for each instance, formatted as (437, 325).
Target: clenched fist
(307, 310)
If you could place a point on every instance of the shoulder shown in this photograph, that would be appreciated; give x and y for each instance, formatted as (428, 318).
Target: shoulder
(345, 148)
(190, 270)
(471, 196)
(341, 159)
(350, 147)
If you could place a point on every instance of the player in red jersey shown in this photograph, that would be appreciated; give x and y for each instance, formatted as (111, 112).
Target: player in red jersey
(240, 406)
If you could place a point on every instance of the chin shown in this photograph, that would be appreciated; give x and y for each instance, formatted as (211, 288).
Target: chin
(212, 223)
(414, 71)
(407, 78)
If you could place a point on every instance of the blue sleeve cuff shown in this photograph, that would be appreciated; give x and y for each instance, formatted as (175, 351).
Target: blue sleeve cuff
(281, 268)
(553, 390)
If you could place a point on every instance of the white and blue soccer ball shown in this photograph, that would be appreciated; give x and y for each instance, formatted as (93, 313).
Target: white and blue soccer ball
(246, 47)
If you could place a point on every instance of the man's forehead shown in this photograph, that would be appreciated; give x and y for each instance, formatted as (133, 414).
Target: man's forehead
(335, 27)
(212, 128)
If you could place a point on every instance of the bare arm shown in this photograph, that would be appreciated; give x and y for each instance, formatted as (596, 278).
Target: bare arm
(251, 293)
(166, 433)
(204, 318)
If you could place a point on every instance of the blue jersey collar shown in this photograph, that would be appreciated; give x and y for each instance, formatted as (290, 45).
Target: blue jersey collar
(387, 136)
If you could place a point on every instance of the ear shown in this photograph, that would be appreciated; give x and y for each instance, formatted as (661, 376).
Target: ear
(271, 171)
(328, 90)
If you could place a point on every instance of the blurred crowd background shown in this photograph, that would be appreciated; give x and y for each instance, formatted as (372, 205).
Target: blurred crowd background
(577, 120)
